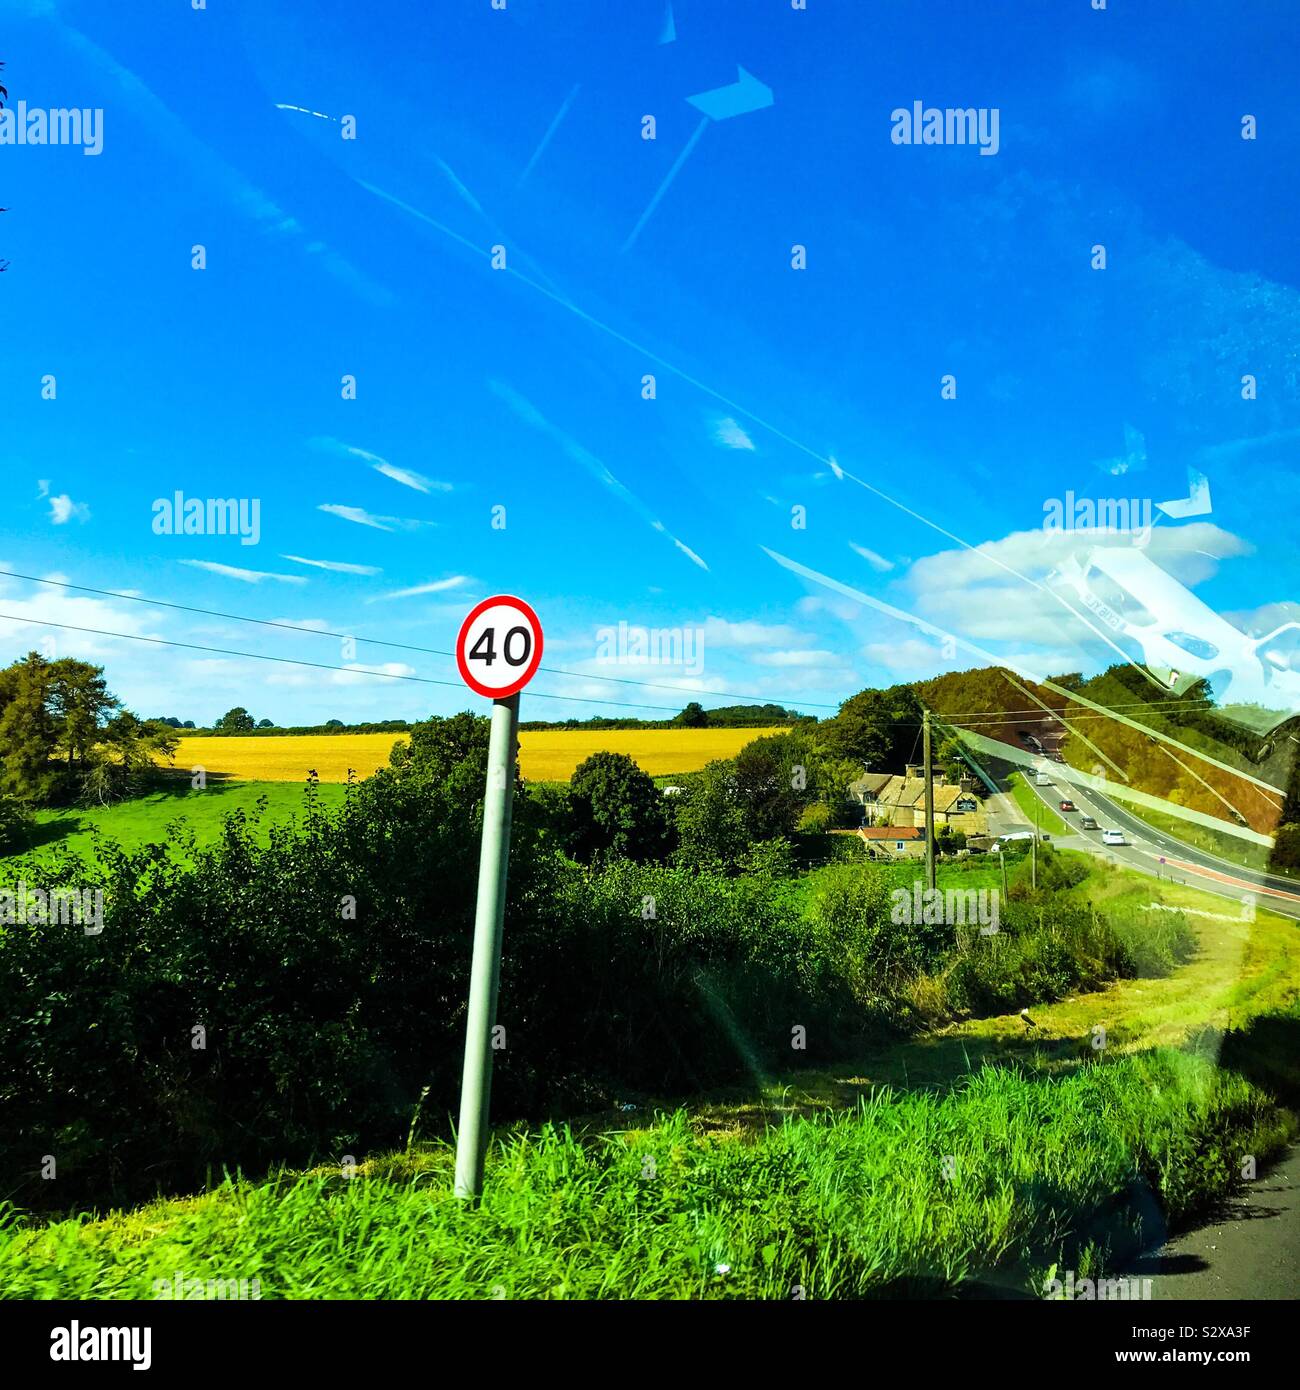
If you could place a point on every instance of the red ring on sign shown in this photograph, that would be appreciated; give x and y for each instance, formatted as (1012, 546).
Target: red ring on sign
(505, 691)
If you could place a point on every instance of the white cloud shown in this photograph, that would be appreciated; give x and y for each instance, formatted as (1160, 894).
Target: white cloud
(911, 657)
(1000, 589)
(812, 604)
(720, 632)
(877, 562)
(63, 509)
(437, 586)
(311, 624)
(730, 435)
(48, 615)
(244, 576)
(1267, 618)
(361, 517)
(334, 566)
(689, 553)
(810, 658)
(409, 478)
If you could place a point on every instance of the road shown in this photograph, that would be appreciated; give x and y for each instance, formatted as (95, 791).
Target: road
(1151, 851)
(1250, 1248)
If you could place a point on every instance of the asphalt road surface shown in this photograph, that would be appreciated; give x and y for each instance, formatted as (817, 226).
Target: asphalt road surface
(1152, 852)
(1250, 1248)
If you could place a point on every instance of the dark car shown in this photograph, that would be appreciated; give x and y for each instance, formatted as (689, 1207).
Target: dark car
(1088, 823)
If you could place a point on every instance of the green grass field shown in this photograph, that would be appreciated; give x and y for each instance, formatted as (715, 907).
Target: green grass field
(144, 820)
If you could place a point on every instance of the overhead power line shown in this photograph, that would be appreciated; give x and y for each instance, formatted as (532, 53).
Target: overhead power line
(318, 665)
(971, 719)
(402, 646)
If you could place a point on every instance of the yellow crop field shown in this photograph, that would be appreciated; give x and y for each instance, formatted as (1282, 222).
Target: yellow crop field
(545, 755)
(551, 755)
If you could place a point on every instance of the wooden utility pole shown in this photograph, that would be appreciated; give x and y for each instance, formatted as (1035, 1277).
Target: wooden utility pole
(1033, 867)
(929, 805)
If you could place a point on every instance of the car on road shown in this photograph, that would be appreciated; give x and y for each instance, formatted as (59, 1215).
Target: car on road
(1068, 806)
(1087, 823)
(1042, 780)
(1113, 837)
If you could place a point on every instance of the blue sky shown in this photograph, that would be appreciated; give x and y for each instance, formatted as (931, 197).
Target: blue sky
(522, 388)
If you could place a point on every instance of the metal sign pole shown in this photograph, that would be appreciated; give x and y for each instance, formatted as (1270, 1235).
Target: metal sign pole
(489, 919)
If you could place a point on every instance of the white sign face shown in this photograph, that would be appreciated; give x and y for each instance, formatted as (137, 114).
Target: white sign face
(499, 647)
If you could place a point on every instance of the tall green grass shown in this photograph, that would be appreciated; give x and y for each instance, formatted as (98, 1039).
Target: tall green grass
(908, 1194)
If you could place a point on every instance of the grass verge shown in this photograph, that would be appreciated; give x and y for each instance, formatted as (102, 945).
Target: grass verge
(978, 1189)
(1049, 823)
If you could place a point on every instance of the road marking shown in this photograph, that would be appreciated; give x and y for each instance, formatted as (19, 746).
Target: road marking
(1226, 878)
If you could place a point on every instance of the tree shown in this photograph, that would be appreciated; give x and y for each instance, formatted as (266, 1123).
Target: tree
(334, 724)
(771, 784)
(949, 840)
(876, 728)
(1286, 848)
(27, 730)
(80, 704)
(709, 819)
(615, 810)
(948, 759)
(237, 719)
(62, 733)
(189, 724)
(694, 716)
(265, 724)
(443, 756)
(127, 752)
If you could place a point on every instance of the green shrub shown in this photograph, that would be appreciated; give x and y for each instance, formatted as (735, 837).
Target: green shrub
(815, 818)
(246, 1004)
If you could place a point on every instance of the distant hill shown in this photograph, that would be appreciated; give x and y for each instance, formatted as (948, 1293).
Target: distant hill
(999, 706)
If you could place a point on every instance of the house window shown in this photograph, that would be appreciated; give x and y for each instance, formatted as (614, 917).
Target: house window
(898, 844)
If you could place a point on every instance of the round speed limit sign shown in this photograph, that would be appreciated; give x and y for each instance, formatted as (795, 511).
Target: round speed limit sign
(499, 647)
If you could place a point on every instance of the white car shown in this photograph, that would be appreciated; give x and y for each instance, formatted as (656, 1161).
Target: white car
(1113, 837)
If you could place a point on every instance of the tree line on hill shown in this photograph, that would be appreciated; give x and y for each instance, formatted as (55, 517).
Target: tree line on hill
(693, 716)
